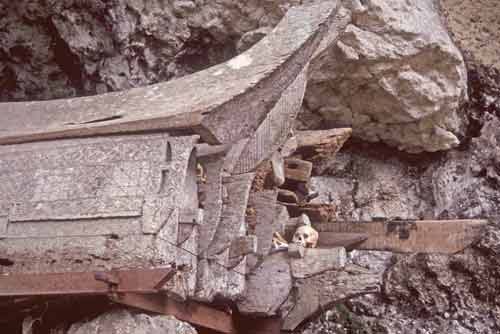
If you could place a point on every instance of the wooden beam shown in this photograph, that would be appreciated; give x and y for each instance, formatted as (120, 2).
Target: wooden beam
(249, 325)
(226, 102)
(424, 236)
(190, 311)
(347, 240)
(83, 283)
(321, 140)
(298, 170)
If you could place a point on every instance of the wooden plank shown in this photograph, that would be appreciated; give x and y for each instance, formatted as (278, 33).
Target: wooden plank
(192, 312)
(278, 169)
(276, 127)
(242, 246)
(316, 261)
(321, 140)
(43, 254)
(204, 150)
(347, 240)
(88, 208)
(211, 200)
(232, 222)
(298, 170)
(317, 212)
(242, 89)
(317, 293)
(425, 236)
(287, 196)
(296, 250)
(264, 204)
(251, 325)
(267, 287)
(111, 227)
(4, 221)
(188, 219)
(82, 283)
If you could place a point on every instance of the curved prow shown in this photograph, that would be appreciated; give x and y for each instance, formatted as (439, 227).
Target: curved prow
(223, 103)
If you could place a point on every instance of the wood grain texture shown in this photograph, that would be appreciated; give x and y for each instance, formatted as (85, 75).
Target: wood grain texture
(425, 236)
(235, 97)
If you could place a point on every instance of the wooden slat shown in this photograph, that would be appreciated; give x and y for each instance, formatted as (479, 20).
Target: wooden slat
(81, 283)
(233, 212)
(348, 240)
(316, 261)
(298, 170)
(192, 312)
(88, 208)
(425, 236)
(319, 139)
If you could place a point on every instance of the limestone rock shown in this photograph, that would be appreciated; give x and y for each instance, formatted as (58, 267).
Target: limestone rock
(467, 183)
(474, 26)
(394, 76)
(126, 322)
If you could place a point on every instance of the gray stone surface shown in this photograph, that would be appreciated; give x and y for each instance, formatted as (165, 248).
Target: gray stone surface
(127, 322)
(394, 76)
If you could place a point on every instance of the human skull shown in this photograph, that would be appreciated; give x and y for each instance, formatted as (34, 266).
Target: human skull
(306, 236)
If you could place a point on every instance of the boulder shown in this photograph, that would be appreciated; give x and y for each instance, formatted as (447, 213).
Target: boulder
(126, 322)
(394, 76)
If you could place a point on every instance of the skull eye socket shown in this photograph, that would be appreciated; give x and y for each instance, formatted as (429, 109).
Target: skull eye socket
(306, 235)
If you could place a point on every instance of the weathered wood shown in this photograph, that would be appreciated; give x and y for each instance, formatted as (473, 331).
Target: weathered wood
(278, 169)
(217, 279)
(88, 203)
(188, 218)
(240, 247)
(233, 155)
(425, 236)
(250, 325)
(317, 212)
(316, 142)
(318, 260)
(290, 146)
(192, 312)
(204, 150)
(232, 223)
(298, 170)
(241, 90)
(287, 196)
(322, 141)
(276, 127)
(317, 293)
(84, 253)
(83, 283)
(264, 204)
(267, 287)
(303, 219)
(296, 250)
(211, 190)
(84, 208)
(3, 226)
(347, 240)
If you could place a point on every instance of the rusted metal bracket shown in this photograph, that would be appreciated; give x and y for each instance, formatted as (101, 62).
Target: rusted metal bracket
(84, 283)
